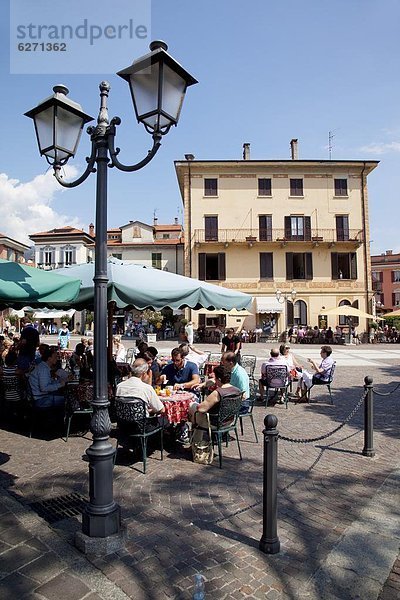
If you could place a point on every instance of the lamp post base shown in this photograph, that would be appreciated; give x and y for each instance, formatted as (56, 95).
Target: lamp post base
(269, 546)
(100, 546)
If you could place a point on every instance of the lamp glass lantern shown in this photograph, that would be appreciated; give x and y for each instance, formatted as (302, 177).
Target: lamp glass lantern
(158, 85)
(58, 124)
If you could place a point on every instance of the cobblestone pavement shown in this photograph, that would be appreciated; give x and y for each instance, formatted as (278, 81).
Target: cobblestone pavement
(338, 520)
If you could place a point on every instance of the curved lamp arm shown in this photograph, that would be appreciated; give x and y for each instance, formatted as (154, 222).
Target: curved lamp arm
(115, 151)
(89, 169)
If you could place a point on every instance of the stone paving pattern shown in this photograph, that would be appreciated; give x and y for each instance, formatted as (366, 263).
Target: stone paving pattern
(182, 518)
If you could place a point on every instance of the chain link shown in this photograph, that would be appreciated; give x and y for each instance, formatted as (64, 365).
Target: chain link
(386, 393)
(326, 435)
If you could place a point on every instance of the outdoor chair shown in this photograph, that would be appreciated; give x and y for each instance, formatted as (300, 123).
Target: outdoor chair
(77, 402)
(13, 396)
(48, 414)
(277, 378)
(249, 412)
(133, 423)
(328, 383)
(248, 362)
(223, 422)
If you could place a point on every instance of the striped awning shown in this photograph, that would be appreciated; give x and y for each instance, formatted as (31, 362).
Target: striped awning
(268, 304)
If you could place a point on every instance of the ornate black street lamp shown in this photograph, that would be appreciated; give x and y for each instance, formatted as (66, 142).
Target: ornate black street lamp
(158, 85)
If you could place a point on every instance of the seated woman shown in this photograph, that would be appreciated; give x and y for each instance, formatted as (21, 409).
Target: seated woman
(210, 404)
(293, 366)
(322, 371)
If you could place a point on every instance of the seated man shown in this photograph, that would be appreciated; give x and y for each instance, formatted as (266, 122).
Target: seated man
(239, 378)
(138, 386)
(181, 373)
(322, 371)
(193, 355)
(44, 387)
(275, 358)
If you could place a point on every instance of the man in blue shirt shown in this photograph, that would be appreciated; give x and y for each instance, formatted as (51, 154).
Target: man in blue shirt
(181, 373)
(44, 388)
(239, 377)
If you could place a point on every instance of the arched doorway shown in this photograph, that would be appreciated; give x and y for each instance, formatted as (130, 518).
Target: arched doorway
(342, 319)
(296, 314)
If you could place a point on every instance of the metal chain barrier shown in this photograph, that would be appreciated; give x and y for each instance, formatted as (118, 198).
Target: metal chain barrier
(326, 435)
(386, 393)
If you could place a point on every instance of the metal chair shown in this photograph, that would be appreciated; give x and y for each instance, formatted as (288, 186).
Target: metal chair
(249, 412)
(13, 396)
(277, 378)
(248, 362)
(133, 422)
(77, 402)
(223, 421)
(327, 382)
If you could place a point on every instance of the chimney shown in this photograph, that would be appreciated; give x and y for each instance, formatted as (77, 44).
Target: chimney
(155, 220)
(246, 151)
(389, 252)
(176, 221)
(294, 148)
(189, 156)
(91, 229)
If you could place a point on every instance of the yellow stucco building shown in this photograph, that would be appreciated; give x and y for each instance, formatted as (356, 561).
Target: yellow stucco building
(265, 225)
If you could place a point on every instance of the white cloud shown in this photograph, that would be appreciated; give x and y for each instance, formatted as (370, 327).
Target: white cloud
(381, 147)
(27, 207)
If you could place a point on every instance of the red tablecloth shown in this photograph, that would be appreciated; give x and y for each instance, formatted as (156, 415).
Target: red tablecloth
(177, 406)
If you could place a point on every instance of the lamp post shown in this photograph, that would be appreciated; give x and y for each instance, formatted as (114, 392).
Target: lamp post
(158, 85)
(283, 297)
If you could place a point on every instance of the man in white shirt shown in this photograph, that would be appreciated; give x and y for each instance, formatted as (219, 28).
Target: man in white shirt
(193, 355)
(138, 387)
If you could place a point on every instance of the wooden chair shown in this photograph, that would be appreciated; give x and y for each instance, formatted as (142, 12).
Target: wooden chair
(133, 422)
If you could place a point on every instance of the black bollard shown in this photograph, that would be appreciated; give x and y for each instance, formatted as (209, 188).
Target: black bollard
(368, 449)
(269, 543)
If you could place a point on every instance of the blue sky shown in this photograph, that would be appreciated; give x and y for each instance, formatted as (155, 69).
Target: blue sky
(268, 72)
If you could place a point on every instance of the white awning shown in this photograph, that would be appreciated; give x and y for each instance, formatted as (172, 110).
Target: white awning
(231, 313)
(48, 313)
(268, 304)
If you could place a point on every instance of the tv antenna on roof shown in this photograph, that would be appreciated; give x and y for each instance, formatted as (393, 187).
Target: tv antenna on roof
(330, 145)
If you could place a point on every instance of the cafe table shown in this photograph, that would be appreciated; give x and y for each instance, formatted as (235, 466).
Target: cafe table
(177, 406)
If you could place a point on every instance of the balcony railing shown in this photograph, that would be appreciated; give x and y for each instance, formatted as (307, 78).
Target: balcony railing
(313, 236)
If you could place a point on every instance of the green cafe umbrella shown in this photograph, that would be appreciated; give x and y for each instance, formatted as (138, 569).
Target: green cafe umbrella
(21, 285)
(140, 287)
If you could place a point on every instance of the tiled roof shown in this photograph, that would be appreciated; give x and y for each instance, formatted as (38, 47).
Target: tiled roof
(67, 230)
(154, 243)
(168, 227)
